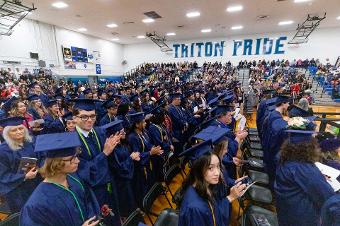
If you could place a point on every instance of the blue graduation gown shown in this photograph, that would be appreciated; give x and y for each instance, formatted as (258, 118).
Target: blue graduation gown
(53, 125)
(53, 205)
(44, 98)
(178, 121)
(147, 107)
(143, 177)
(195, 211)
(330, 212)
(300, 190)
(122, 166)
(34, 113)
(126, 123)
(94, 170)
(100, 110)
(273, 137)
(12, 185)
(260, 116)
(106, 119)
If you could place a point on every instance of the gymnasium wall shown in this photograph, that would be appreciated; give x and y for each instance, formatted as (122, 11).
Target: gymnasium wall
(46, 40)
(322, 44)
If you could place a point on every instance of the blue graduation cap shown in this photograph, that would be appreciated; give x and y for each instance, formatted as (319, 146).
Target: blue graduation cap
(330, 144)
(113, 127)
(87, 91)
(58, 144)
(198, 150)
(8, 104)
(58, 97)
(109, 104)
(156, 110)
(229, 98)
(84, 104)
(174, 95)
(11, 121)
(282, 99)
(33, 97)
(221, 109)
(271, 101)
(213, 133)
(299, 136)
(136, 117)
(67, 116)
(50, 103)
(189, 93)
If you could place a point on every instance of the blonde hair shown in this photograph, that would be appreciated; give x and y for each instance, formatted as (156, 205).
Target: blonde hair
(12, 144)
(51, 167)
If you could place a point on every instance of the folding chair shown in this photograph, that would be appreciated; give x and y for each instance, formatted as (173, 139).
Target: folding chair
(170, 175)
(135, 218)
(167, 217)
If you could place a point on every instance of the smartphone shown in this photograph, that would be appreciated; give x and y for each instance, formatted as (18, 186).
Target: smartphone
(27, 163)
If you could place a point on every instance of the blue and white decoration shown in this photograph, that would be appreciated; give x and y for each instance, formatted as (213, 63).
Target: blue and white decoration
(98, 69)
(246, 47)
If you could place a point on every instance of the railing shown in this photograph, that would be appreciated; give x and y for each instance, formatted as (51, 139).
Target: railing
(324, 121)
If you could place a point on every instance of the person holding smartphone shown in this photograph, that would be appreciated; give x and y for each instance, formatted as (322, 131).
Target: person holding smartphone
(16, 185)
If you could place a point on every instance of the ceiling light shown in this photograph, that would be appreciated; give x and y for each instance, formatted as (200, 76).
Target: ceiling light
(206, 30)
(140, 36)
(171, 34)
(59, 5)
(300, 1)
(237, 27)
(82, 29)
(148, 20)
(115, 39)
(235, 8)
(111, 25)
(288, 22)
(193, 14)
(338, 18)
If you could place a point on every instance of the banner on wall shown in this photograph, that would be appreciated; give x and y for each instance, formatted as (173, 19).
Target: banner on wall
(98, 69)
(245, 47)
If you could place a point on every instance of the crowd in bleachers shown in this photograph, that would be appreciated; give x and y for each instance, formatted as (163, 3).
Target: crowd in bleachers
(134, 134)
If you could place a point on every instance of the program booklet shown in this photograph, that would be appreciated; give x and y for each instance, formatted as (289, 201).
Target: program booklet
(331, 175)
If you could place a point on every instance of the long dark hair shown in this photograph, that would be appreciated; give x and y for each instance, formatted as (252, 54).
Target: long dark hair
(308, 152)
(196, 177)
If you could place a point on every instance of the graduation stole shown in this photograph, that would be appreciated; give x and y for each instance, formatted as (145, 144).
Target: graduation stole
(72, 193)
(85, 143)
(160, 131)
(142, 138)
(212, 212)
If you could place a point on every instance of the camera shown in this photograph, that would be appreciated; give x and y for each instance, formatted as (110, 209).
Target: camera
(247, 180)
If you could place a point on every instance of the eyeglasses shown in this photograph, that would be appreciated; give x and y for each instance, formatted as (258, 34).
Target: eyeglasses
(73, 158)
(87, 117)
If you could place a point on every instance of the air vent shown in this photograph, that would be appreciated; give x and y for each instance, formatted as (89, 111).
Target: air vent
(128, 22)
(114, 33)
(180, 26)
(152, 14)
(281, 0)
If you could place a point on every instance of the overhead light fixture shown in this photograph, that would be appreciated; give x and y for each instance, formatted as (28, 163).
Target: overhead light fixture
(82, 29)
(338, 18)
(140, 36)
(171, 34)
(115, 39)
(301, 1)
(239, 27)
(193, 14)
(111, 25)
(148, 20)
(206, 30)
(59, 5)
(235, 8)
(288, 22)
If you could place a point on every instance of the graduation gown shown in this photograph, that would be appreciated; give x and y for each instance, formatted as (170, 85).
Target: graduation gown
(106, 119)
(122, 166)
(330, 212)
(273, 138)
(53, 125)
(196, 211)
(179, 122)
(143, 177)
(94, 170)
(12, 185)
(52, 205)
(34, 113)
(300, 190)
(126, 123)
(260, 116)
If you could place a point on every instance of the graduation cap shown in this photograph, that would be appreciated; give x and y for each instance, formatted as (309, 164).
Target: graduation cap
(229, 98)
(174, 95)
(198, 150)
(11, 121)
(299, 136)
(87, 91)
(213, 133)
(109, 104)
(282, 99)
(101, 92)
(84, 104)
(67, 116)
(221, 109)
(50, 103)
(188, 93)
(271, 101)
(58, 144)
(329, 144)
(59, 90)
(8, 104)
(113, 127)
(58, 97)
(33, 97)
(136, 117)
(156, 110)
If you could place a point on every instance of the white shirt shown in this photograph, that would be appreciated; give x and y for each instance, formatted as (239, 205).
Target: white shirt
(85, 133)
